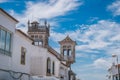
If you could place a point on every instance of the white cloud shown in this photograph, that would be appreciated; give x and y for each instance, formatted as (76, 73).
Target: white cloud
(57, 36)
(2, 1)
(79, 55)
(115, 8)
(86, 56)
(115, 38)
(98, 36)
(114, 49)
(50, 9)
(8, 1)
(98, 68)
(45, 10)
(92, 71)
(12, 12)
(103, 35)
(102, 63)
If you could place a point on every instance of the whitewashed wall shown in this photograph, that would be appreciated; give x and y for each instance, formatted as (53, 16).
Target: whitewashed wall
(7, 22)
(64, 72)
(5, 61)
(36, 57)
(39, 61)
(21, 41)
(57, 63)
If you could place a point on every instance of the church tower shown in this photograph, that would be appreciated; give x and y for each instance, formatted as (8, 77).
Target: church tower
(67, 50)
(39, 33)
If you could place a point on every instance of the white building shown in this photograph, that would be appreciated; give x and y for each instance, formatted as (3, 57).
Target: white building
(113, 72)
(7, 31)
(29, 57)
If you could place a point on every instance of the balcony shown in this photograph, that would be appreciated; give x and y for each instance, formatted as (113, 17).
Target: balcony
(68, 58)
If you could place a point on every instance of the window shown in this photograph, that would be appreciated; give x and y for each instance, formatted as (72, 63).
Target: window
(5, 42)
(69, 52)
(3, 35)
(64, 46)
(48, 66)
(38, 43)
(53, 68)
(65, 55)
(23, 54)
(8, 40)
(64, 52)
(36, 36)
(32, 36)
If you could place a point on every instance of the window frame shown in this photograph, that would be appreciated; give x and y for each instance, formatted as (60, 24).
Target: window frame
(69, 52)
(23, 53)
(3, 36)
(9, 43)
(53, 68)
(4, 51)
(48, 66)
(65, 52)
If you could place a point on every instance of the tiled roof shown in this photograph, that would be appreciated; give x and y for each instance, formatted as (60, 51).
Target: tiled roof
(67, 39)
(55, 53)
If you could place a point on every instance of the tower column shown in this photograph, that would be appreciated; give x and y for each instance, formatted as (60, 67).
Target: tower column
(68, 45)
(39, 33)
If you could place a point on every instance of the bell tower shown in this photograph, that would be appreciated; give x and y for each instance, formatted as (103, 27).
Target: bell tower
(39, 33)
(67, 50)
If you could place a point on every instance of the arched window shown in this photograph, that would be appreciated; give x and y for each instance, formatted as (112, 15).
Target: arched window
(23, 54)
(48, 66)
(53, 68)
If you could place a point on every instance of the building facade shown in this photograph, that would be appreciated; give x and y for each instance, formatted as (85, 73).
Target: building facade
(29, 57)
(114, 72)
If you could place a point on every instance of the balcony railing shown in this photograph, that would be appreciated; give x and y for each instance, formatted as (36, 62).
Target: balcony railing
(70, 58)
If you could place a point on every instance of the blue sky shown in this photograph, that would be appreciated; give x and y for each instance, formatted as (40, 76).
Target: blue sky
(93, 24)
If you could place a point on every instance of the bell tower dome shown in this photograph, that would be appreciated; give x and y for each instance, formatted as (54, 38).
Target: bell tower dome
(67, 50)
(39, 33)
